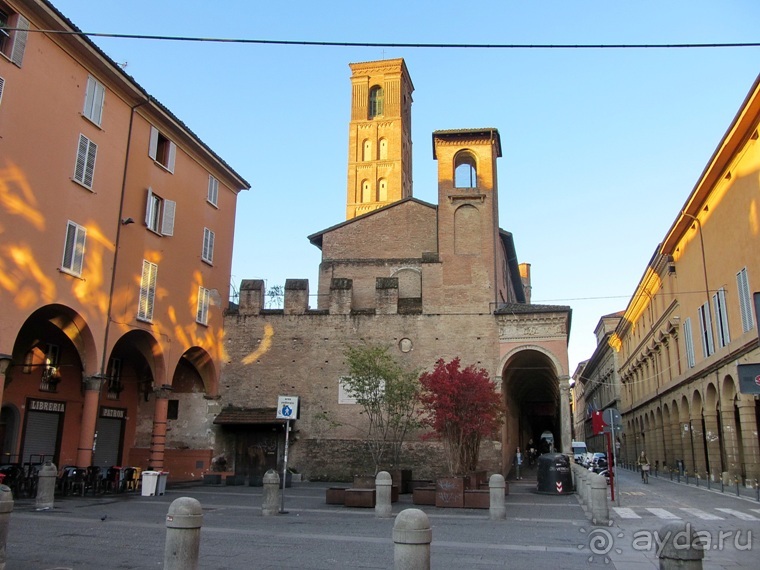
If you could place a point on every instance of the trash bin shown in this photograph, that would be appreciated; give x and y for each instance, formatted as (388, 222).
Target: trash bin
(553, 475)
(162, 477)
(150, 483)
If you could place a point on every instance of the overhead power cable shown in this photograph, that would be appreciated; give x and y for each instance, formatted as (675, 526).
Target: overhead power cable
(397, 45)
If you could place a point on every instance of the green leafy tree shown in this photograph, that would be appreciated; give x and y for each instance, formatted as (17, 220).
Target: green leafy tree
(461, 406)
(275, 296)
(388, 395)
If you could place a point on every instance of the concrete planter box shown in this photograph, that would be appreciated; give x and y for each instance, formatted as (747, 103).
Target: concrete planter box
(335, 496)
(477, 499)
(360, 498)
(423, 495)
(449, 492)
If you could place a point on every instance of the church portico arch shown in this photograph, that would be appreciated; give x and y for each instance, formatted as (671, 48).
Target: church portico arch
(534, 390)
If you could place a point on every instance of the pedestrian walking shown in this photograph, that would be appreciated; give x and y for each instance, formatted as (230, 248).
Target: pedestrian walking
(518, 463)
(643, 464)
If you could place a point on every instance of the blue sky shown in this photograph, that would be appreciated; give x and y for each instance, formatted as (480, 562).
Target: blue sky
(600, 147)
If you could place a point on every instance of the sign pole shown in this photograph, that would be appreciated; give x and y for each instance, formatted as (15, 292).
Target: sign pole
(284, 469)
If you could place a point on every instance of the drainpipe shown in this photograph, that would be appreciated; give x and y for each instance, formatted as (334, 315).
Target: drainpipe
(704, 260)
(104, 361)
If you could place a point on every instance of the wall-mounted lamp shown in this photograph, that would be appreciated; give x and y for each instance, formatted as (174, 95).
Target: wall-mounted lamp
(127, 221)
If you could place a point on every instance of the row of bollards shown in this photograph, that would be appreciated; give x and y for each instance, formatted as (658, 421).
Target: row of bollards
(592, 491)
(412, 533)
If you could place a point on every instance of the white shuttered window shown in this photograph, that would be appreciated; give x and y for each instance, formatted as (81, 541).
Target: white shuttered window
(147, 291)
(84, 170)
(73, 249)
(721, 317)
(208, 246)
(689, 342)
(745, 300)
(93, 100)
(160, 214)
(203, 301)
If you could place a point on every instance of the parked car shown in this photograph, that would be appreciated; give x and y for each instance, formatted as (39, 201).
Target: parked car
(597, 456)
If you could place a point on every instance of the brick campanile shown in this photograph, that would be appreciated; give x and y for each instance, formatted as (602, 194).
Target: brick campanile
(379, 136)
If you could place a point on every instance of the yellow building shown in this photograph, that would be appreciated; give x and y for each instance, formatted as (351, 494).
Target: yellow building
(690, 333)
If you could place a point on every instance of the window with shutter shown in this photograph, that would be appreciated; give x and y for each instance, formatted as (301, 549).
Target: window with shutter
(208, 246)
(201, 315)
(160, 214)
(162, 150)
(73, 249)
(721, 317)
(705, 330)
(745, 300)
(213, 190)
(689, 343)
(14, 30)
(84, 170)
(2, 88)
(147, 291)
(93, 100)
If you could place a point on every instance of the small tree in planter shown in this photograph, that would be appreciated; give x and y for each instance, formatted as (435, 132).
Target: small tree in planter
(388, 395)
(461, 407)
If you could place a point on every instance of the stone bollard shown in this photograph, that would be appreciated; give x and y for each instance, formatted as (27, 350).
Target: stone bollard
(6, 508)
(583, 489)
(681, 547)
(412, 536)
(600, 512)
(383, 488)
(183, 534)
(46, 487)
(270, 503)
(497, 485)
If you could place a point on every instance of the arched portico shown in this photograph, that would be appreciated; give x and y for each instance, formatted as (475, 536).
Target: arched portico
(536, 397)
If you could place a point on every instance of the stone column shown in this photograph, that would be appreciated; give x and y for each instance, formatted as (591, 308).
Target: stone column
(564, 413)
(158, 437)
(5, 362)
(730, 443)
(675, 438)
(698, 445)
(749, 438)
(667, 449)
(713, 444)
(688, 455)
(656, 439)
(92, 385)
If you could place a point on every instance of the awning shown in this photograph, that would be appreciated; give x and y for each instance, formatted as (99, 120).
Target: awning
(247, 416)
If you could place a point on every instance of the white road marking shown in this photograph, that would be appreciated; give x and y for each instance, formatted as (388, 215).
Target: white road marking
(739, 514)
(626, 513)
(702, 515)
(663, 514)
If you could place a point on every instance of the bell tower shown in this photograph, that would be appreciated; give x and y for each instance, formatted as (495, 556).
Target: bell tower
(379, 136)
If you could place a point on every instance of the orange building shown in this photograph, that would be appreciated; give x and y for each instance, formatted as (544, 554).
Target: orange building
(116, 232)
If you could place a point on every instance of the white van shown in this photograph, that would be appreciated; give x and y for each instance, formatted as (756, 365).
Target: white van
(579, 450)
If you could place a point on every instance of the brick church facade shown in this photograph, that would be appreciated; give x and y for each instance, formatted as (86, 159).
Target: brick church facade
(428, 281)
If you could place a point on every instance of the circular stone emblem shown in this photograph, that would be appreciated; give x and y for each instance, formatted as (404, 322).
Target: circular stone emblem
(405, 345)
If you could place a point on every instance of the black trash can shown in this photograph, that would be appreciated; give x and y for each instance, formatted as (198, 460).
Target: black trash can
(554, 476)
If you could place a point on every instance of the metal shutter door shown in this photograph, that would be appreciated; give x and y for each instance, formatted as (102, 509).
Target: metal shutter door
(41, 435)
(108, 447)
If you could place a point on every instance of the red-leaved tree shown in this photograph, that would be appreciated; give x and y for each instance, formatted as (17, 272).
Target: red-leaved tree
(462, 406)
